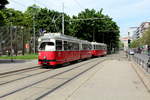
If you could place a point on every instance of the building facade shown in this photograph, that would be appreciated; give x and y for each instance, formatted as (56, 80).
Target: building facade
(124, 40)
(140, 30)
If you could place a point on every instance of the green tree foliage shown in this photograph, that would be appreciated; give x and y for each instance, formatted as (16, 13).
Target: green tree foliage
(146, 37)
(30, 15)
(103, 29)
(48, 20)
(3, 3)
(136, 43)
(13, 16)
(2, 18)
(89, 25)
(45, 20)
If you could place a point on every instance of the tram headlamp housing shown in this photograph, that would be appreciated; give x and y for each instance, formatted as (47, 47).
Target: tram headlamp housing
(39, 40)
(44, 57)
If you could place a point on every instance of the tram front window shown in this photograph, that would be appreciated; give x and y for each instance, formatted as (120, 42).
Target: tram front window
(47, 46)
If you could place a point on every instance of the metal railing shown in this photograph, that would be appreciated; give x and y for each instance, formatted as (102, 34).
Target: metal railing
(142, 60)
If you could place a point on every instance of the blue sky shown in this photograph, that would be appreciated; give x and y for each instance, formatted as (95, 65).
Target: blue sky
(127, 13)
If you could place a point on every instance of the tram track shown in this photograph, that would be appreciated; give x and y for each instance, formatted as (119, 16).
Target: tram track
(24, 77)
(52, 76)
(4, 83)
(67, 81)
(15, 72)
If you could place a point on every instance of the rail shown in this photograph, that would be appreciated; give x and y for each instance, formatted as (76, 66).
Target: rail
(142, 60)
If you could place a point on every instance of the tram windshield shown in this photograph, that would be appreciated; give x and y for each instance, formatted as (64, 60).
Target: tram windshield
(47, 46)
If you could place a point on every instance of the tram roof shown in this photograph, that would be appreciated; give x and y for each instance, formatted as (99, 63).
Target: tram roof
(62, 37)
(96, 43)
(59, 36)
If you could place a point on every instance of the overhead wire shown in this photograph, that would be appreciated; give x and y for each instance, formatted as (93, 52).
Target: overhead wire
(78, 4)
(20, 4)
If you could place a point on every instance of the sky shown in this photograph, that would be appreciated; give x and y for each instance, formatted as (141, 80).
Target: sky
(126, 13)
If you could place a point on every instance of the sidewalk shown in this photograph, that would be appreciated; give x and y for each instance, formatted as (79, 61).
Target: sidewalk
(117, 81)
(7, 65)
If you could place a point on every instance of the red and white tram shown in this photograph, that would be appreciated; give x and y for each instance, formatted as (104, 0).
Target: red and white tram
(98, 49)
(55, 49)
(85, 49)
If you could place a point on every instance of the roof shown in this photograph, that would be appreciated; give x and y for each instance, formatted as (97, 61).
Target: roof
(97, 43)
(62, 37)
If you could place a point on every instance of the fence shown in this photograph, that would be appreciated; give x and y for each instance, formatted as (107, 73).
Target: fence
(16, 40)
(142, 60)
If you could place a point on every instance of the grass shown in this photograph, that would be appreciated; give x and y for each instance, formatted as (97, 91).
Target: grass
(25, 57)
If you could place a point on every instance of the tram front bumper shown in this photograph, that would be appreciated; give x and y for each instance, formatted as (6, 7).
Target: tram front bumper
(47, 62)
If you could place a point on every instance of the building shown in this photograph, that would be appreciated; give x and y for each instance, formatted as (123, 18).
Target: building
(124, 40)
(132, 32)
(140, 30)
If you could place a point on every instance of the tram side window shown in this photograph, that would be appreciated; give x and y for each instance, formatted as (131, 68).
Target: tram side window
(65, 45)
(58, 45)
(94, 47)
(99, 47)
(85, 47)
(70, 46)
(76, 46)
(90, 47)
(103, 48)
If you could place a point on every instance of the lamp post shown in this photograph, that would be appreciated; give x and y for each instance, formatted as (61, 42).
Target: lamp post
(34, 45)
(11, 39)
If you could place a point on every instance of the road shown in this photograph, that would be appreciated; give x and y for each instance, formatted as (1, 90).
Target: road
(105, 78)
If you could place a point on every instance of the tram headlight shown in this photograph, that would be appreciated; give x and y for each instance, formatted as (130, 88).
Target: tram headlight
(44, 57)
(39, 40)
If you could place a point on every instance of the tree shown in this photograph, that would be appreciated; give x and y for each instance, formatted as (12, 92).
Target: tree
(51, 21)
(146, 37)
(135, 43)
(98, 27)
(2, 16)
(3, 3)
(2, 19)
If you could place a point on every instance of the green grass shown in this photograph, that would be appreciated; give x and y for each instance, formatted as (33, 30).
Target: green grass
(26, 56)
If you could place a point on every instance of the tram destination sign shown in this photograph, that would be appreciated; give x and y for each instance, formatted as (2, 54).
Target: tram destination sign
(45, 39)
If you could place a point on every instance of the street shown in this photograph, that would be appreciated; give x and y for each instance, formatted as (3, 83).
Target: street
(105, 78)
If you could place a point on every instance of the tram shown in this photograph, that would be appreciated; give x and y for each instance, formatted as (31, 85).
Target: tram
(98, 49)
(56, 48)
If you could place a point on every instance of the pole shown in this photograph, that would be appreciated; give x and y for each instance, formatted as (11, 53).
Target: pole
(93, 35)
(34, 34)
(11, 44)
(34, 42)
(63, 18)
(103, 37)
